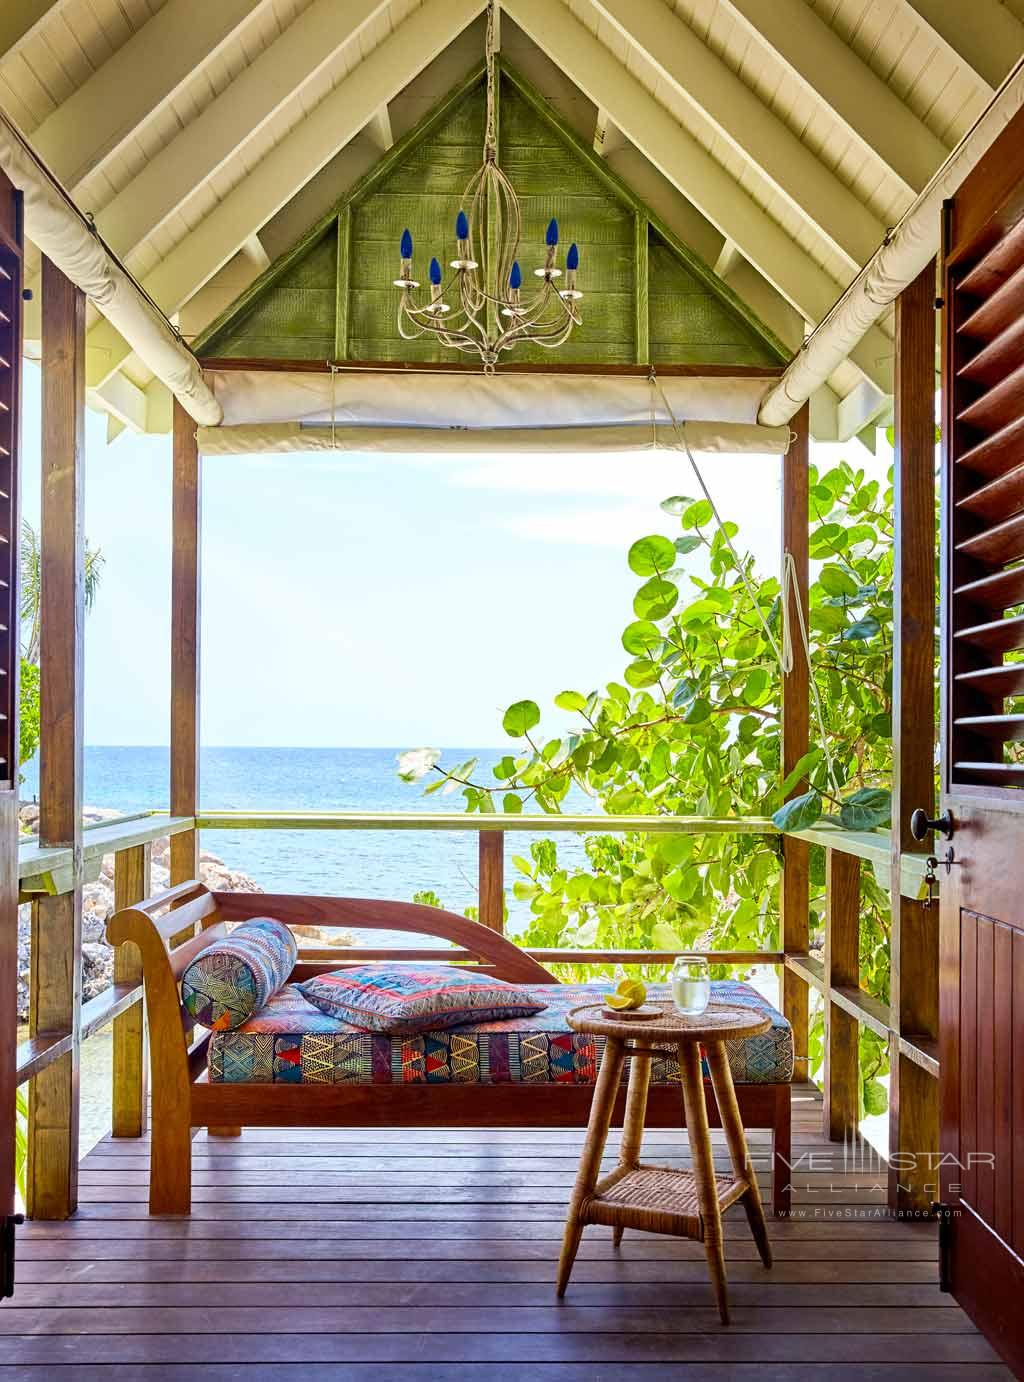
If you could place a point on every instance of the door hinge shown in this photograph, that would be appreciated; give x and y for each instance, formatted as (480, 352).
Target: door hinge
(7, 1226)
(943, 1214)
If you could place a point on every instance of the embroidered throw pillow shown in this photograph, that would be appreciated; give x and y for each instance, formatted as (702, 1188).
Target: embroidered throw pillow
(401, 1000)
(235, 977)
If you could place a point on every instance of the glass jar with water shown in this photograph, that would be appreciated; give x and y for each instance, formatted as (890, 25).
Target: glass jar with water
(691, 985)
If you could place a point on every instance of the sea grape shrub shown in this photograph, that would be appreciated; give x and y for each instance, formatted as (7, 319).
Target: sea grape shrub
(692, 729)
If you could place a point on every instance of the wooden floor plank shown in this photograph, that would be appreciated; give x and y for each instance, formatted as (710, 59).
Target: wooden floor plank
(414, 1371)
(361, 1255)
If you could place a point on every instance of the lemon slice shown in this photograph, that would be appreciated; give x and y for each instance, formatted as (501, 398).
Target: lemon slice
(620, 1001)
(630, 993)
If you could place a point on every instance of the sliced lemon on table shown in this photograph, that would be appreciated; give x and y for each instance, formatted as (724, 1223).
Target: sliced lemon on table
(631, 993)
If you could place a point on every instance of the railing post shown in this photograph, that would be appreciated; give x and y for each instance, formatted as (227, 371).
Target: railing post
(841, 1105)
(795, 887)
(185, 586)
(55, 981)
(492, 879)
(128, 1092)
(914, 948)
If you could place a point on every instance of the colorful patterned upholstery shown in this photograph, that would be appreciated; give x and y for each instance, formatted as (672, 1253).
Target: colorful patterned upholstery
(291, 1042)
(401, 1000)
(234, 978)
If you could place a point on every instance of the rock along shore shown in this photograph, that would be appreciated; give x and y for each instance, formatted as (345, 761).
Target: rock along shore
(98, 905)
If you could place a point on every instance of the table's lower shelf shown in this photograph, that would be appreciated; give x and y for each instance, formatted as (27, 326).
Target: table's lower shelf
(657, 1199)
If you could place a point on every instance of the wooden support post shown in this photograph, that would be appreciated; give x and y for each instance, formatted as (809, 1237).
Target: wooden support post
(795, 895)
(185, 589)
(11, 311)
(55, 988)
(492, 879)
(128, 1093)
(841, 1106)
(914, 951)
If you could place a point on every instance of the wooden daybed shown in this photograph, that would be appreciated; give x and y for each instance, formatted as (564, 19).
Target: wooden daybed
(171, 929)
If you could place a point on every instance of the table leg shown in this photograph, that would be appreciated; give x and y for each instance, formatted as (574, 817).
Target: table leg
(732, 1125)
(633, 1124)
(704, 1170)
(601, 1109)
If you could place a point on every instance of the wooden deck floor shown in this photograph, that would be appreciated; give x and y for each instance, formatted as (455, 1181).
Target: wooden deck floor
(430, 1256)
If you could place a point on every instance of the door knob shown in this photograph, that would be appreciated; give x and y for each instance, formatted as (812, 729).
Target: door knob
(921, 823)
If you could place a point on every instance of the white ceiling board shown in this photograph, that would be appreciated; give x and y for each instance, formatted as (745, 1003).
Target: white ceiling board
(983, 34)
(688, 68)
(271, 182)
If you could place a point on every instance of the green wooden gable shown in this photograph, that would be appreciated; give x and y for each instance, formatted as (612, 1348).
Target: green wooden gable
(649, 298)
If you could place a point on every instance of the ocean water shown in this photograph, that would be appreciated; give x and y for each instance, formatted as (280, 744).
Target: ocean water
(351, 863)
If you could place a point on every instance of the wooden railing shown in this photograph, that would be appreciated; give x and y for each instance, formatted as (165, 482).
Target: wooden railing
(49, 872)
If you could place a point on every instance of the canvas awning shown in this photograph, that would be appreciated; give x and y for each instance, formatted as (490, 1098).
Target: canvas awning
(410, 412)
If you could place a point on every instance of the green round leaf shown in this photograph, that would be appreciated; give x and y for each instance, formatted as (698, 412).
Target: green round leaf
(572, 700)
(655, 599)
(866, 809)
(862, 630)
(699, 712)
(685, 545)
(698, 514)
(650, 555)
(641, 637)
(642, 672)
(520, 718)
(835, 581)
(800, 813)
(677, 504)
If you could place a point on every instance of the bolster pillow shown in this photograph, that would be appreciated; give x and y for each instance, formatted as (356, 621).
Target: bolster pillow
(235, 977)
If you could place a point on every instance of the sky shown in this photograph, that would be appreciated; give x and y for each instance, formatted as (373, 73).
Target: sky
(384, 601)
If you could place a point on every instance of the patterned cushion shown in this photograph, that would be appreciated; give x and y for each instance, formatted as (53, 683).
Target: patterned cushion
(401, 1000)
(291, 1042)
(235, 977)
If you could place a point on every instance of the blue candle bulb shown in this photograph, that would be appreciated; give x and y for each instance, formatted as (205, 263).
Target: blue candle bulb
(552, 235)
(435, 272)
(461, 226)
(405, 249)
(572, 259)
(515, 278)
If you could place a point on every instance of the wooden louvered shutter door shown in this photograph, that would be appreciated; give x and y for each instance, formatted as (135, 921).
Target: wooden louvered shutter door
(981, 970)
(984, 419)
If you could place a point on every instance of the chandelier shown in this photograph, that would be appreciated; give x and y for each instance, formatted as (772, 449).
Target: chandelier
(491, 313)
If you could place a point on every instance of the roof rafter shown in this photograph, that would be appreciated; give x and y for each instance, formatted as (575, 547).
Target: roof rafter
(750, 127)
(206, 144)
(982, 34)
(686, 164)
(837, 76)
(143, 75)
(284, 171)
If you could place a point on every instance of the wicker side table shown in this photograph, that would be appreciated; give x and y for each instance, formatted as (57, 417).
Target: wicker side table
(659, 1199)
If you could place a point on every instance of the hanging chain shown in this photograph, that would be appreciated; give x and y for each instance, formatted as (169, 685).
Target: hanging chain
(490, 129)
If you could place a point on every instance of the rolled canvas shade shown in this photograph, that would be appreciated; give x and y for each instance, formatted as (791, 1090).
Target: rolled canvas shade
(408, 412)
